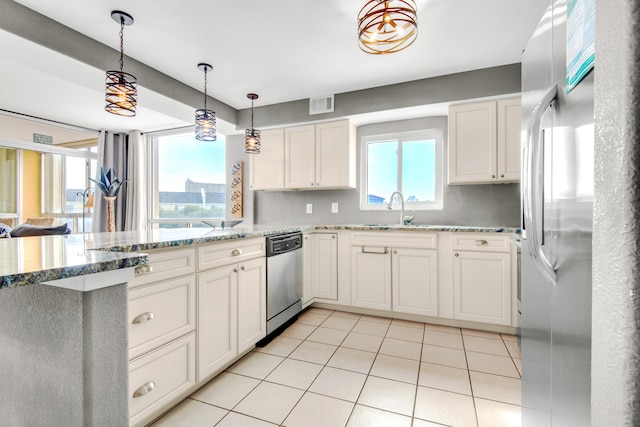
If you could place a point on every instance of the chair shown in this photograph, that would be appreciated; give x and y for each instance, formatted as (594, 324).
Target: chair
(43, 220)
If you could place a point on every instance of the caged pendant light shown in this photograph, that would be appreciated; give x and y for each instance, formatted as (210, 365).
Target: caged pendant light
(387, 26)
(205, 119)
(252, 136)
(121, 93)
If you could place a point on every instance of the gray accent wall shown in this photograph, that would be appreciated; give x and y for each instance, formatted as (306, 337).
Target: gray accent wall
(456, 87)
(479, 205)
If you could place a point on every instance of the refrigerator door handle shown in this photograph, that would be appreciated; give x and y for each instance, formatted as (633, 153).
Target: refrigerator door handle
(533, 185)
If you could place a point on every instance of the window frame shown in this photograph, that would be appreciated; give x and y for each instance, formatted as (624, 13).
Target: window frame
(400, 138)
(153, 202)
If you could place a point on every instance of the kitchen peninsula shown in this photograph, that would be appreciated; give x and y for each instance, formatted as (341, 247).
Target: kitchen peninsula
(68, 302)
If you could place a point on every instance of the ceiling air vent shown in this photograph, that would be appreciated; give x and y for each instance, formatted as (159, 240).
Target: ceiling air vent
(320, 105)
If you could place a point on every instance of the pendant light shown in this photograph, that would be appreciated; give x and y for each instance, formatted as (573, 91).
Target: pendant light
(387, 26)
(205, 119)
(121, 93)
(252, 136)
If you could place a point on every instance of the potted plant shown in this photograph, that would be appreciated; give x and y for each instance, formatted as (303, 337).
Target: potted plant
(109, 185)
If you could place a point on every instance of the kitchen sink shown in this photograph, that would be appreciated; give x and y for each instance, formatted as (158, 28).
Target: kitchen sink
(223, 223)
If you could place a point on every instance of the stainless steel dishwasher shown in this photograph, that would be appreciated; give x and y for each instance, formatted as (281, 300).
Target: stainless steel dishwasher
(284, 279)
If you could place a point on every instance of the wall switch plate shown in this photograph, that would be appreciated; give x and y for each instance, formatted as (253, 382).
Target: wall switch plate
(309, 208)
(334, 207)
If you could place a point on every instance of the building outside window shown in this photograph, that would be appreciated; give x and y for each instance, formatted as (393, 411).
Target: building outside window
(409, 162)
(188, 179)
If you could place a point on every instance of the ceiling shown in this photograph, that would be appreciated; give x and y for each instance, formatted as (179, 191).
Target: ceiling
(284, 51)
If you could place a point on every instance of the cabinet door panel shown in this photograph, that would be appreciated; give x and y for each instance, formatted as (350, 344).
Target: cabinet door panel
(482, 287)
(370, 278)
(472, 142)
(415, 281)
(217, 314)
(267, 168)
(335, 155)
(325, 266)
(299, 157)
(509, 129)
(252, 303)
(307, 268)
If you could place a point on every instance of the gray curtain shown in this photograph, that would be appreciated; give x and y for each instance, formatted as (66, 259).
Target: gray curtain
(126, 155)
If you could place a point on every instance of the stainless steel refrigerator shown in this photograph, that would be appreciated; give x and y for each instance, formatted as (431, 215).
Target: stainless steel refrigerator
(557, 205)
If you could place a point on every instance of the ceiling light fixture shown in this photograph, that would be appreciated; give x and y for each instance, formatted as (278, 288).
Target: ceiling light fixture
(121, 93)
(205, 119)
(252, 136)
(387, 29)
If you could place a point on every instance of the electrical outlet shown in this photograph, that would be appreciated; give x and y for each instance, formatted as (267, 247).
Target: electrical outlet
(309, 208)
(334, 207)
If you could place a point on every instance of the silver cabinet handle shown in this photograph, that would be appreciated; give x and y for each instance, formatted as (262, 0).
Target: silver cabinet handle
(142, 269)
(143, 318)
(144, 389)
(365, 250)
(235, 270)
(395, 252)
(236, 252)
(457, 254)
(333, 237)
(501, 175)
(480, 243)
(242, 268)
(493, 176)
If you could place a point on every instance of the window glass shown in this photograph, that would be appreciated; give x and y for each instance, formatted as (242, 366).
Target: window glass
(8, 180)
(409, 162)
(189, 179)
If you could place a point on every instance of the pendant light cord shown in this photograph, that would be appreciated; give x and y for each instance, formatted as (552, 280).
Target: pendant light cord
(205, 88)
(121, 43)
(252, 115)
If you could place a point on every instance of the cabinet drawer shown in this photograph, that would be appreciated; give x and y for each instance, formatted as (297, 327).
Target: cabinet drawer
(412, 239)
(482, 242)
(160, 313)
(220, 254)
(160, 378)
(167, 264)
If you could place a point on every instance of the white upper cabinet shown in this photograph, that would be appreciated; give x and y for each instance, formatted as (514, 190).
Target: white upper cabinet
(267, 168)
(335, 155)
(300, 157)
(320, 156)
(484, 142)
(509, 140)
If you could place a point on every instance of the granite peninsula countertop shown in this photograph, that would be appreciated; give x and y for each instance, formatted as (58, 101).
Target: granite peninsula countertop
(31, 260)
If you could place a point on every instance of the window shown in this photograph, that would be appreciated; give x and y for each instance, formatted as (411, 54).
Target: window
(64, 180)
(409, 162)
(189, 179)
(9, 182)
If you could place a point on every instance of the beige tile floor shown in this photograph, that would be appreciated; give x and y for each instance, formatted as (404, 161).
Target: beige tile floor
(333, 368)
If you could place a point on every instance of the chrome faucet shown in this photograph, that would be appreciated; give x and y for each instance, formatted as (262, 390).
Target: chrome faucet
(403, 220)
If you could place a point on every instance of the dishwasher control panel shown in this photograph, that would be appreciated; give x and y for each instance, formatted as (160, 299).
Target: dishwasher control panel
(283, 243)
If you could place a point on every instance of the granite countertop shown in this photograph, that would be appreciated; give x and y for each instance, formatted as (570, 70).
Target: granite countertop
(30, 260)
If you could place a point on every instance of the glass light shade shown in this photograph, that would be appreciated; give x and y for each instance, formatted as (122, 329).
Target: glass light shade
(121, 93)
(387, 26)
(205, 125)
(252, 141)
(90, 202)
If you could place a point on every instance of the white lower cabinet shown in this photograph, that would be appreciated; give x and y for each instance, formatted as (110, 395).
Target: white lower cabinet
(231, 313)
(414, 281)
(482, 279)
(160, 378)
(160, 313)
(320, 266)
(371, 277)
